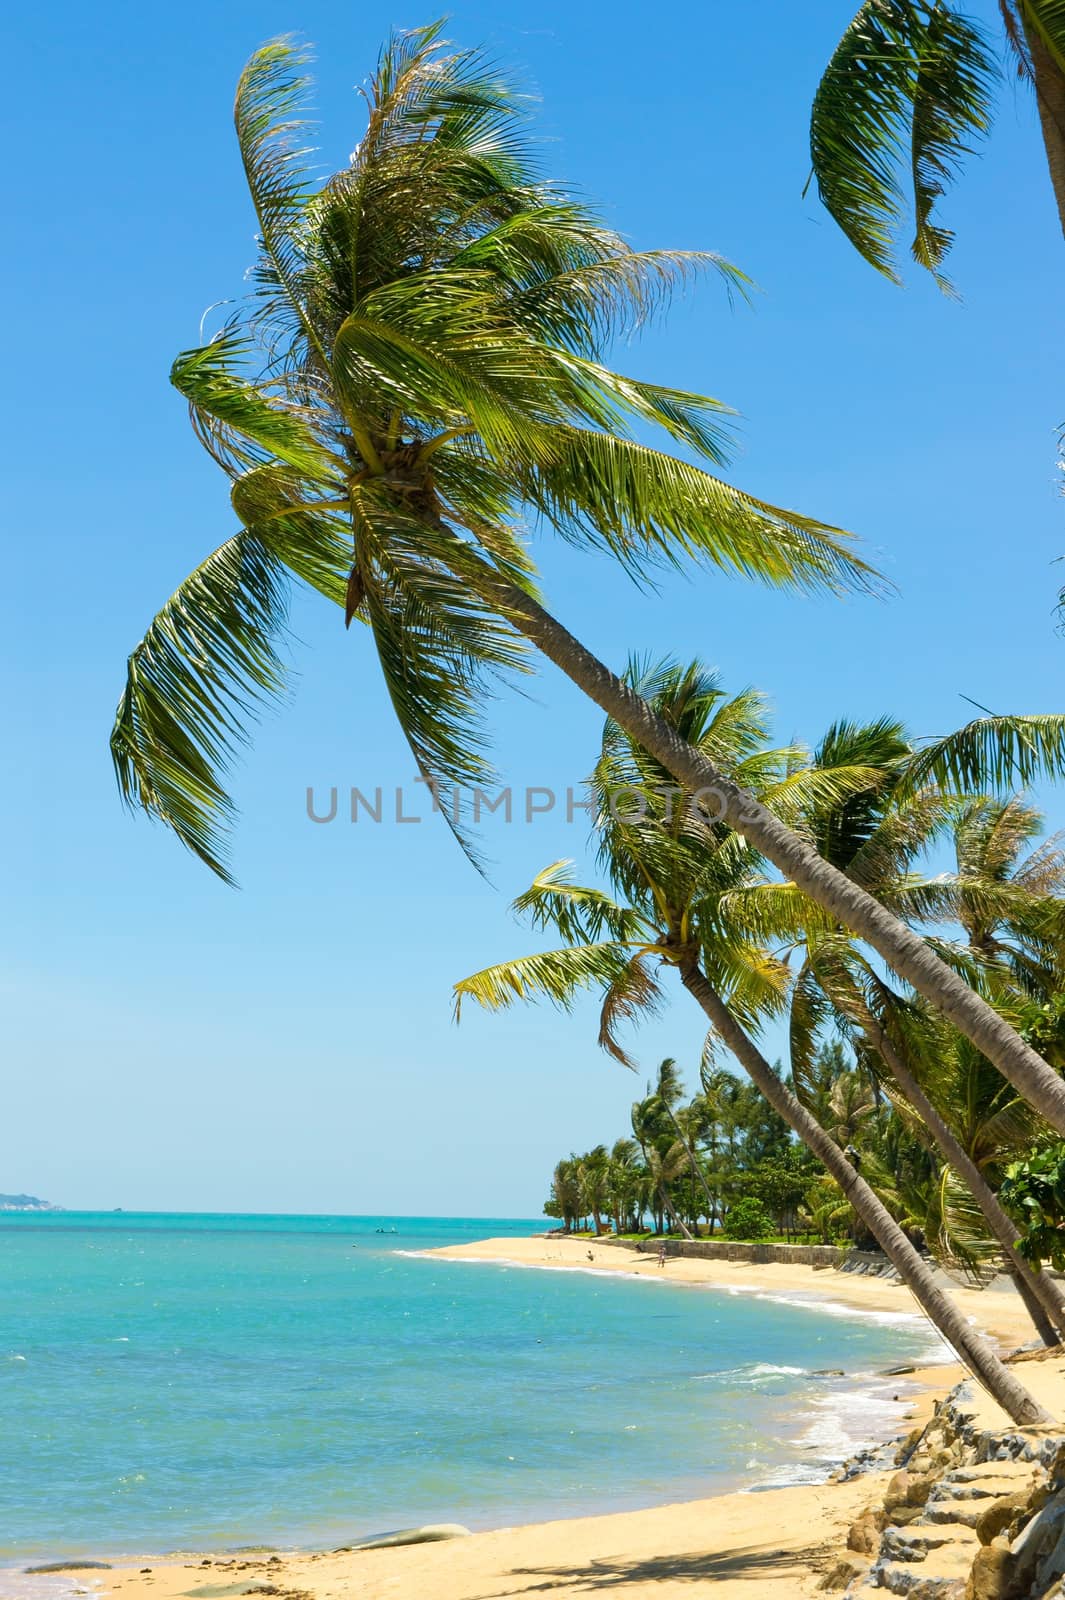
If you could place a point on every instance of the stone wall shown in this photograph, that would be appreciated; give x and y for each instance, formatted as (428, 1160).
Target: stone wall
(805, 1255)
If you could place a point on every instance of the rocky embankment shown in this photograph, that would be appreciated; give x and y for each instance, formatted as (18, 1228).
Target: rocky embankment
(976, 1510)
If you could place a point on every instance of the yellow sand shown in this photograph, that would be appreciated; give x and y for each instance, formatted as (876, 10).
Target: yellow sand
(779, 1542)
(748, 1545)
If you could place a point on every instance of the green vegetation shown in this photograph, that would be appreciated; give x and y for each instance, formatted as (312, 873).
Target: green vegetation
(908, 91)
(420, 368)
(1034, 1191)
(421, 363)
(690, 896)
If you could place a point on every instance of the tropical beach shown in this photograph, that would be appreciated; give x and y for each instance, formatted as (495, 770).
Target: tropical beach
(791, 1538)
(563, 515)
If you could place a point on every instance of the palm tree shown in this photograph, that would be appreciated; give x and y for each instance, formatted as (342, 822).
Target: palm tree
(565, 1194)
(1010, 900)
(623, 1184)
(876, 835)
(419, 363)
(910, 85)
(676, 880)
(593, 1179)
(664, 1156)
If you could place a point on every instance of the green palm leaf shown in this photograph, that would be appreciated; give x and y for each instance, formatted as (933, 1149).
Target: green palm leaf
(909, 85)
(205, 663)
(556, 975)
(999, 752)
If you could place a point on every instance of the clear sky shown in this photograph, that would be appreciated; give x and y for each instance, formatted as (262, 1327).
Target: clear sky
(173, 1044)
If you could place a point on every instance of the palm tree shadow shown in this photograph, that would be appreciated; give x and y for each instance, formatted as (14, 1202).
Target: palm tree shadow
(749, 1561)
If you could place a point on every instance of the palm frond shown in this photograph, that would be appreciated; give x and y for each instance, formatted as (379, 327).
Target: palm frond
(559, 976)
(648, 508)
(992, 752)
(632, 995)
(909, 83)
(579, 914)
(1047, 19)
(268, 114)
(205, 663)
(238, 423)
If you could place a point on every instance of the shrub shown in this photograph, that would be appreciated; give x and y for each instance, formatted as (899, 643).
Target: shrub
(748, 1219)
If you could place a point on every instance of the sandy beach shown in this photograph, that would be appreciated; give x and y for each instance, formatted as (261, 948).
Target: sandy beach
(781, 1541)
(748, 1545)
(1000, 1315)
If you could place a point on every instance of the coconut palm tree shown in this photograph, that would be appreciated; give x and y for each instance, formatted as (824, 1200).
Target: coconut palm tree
(623, 1185)
(909, 87)
(675, 877)
(1009, 898)
(419, 364)
(877, 836)
(593, 1181)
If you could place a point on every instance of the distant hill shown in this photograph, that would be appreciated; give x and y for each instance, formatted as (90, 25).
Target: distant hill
(25, 1202)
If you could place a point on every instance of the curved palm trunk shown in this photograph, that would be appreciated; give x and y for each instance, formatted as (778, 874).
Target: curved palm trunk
(1050, 98)
(696, 1169)
(1042, 1288)
(905, 951)
(681, 1226)
(975, 1351)
(1040, 1321)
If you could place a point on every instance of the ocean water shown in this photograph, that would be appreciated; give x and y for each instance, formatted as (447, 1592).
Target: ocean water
(206, 1382)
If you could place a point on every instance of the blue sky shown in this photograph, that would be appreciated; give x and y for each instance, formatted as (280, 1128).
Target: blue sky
(172, 1044)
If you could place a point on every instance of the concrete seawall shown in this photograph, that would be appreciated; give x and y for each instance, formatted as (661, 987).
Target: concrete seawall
(804, 1255)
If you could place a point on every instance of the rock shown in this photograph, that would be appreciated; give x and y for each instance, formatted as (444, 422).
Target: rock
(1039, 1549)
(71, 1566)
(967, 1511)
(432, 1531)
(943, 1578)
(896, 1372)
(920, 1538)
(845, 1571)
(1008, 1514)
(992, 1573)
(902, 1516)
(828, 1372)
(864, 1535)
(908, 1488)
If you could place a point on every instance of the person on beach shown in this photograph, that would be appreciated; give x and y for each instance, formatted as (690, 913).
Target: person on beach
(661, 1255)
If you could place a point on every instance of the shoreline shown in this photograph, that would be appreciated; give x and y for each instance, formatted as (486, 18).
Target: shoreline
(780, 1541)
(657, 1551)
(999, 1314)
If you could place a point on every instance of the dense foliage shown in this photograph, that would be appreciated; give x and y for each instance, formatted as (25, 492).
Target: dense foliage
(723, 1162)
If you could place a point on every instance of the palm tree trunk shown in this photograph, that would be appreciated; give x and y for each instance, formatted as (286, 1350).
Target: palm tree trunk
(680, 1226)
(1042, 1287)
(1041, 1322)
(1050, 98)
(905, 951)
(696, 1169)
(975, 1351)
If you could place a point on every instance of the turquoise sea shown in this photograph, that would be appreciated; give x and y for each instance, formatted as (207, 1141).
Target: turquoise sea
(214, 1381)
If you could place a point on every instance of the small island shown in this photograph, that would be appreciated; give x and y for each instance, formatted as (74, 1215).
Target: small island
(25, 1202)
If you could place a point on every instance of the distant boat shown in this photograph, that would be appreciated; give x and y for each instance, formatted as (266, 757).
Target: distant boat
(386, 1230)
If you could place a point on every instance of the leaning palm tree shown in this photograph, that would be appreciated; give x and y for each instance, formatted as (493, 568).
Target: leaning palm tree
(419, 365)
(877, 835)
(675, 877)
(910, 86)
